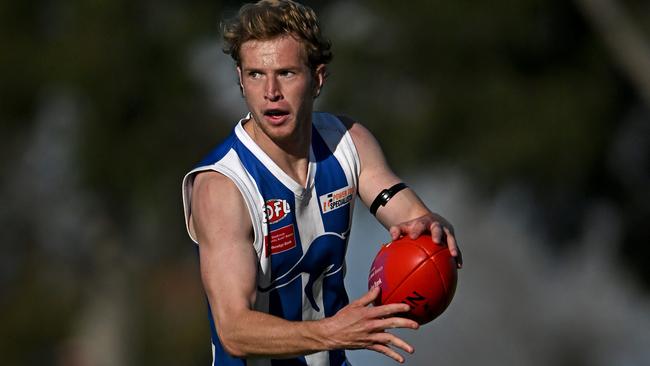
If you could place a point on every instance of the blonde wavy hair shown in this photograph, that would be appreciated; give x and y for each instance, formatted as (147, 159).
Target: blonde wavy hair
(268, 19)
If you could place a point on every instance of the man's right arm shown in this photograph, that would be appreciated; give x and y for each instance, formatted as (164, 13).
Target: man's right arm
(221, 223)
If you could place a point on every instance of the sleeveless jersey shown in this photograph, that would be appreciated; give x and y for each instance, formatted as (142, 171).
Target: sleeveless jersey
(300, 232)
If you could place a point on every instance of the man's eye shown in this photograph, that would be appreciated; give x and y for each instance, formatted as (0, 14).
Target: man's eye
(255, 74)
(287, 73)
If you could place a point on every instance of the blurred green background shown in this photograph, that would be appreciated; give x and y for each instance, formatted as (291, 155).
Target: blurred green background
(104, 105)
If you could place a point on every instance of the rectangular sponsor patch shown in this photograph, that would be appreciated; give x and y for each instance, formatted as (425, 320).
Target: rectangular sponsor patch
(280, 240)
(337, 199)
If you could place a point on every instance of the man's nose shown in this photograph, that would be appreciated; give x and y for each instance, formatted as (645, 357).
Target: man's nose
(272, 92)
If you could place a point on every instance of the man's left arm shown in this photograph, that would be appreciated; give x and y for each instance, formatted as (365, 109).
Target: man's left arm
(403, 213)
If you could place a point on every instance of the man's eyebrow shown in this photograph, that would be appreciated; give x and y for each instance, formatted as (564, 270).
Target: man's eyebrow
(249, 69)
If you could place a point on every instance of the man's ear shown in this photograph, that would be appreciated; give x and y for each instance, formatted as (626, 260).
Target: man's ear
(320, 75)
(241, 84)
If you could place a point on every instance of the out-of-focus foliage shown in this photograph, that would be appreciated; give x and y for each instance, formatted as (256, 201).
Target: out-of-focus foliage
(125, 64)
(506, 91)
(523, 92)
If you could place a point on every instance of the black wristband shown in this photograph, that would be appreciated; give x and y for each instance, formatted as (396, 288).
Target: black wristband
(384, 196)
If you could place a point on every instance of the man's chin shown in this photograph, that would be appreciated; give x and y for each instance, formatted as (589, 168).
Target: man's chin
(278, 134)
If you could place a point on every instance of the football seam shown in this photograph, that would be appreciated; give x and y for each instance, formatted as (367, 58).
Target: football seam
(410, 273)
(442, 278)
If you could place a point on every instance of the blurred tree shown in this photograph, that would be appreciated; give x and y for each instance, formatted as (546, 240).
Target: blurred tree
(522, 93)
(628, 40)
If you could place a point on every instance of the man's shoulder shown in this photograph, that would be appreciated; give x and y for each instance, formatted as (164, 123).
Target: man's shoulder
(330, 121)
(210, 181)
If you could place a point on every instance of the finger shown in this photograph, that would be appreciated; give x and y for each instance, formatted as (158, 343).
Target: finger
(368, 298)
(416, 229)
(389, 339)
(395, 322)
(436, 232)
(395, 232)
(451, 242)
(393, 340)
(386, 351)
(384, 311)
(391, 321)
(453, 248)
(451, 228)
(413, 229)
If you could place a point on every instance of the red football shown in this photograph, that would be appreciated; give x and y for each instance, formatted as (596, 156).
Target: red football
(416, 272)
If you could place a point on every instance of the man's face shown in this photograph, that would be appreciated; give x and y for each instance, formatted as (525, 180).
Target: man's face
(279, 87)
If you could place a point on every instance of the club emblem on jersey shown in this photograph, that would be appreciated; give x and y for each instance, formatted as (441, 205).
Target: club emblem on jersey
(336, 199)
(276, 210)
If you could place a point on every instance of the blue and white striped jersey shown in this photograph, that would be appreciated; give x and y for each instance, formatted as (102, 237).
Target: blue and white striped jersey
(301, 232)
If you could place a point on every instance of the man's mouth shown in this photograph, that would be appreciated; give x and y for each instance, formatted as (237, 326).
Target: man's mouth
(276, 116)
(275, 113)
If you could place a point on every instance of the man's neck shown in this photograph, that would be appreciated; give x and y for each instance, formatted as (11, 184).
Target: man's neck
(291, 155)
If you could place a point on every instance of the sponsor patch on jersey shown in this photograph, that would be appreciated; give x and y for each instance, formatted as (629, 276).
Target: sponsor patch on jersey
(337, 199)
(280, 240)
(276, 210)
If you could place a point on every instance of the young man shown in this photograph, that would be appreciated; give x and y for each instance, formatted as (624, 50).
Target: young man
(271, 207)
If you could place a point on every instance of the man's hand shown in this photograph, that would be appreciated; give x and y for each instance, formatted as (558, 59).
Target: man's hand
(359, 325)
(440, 229)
